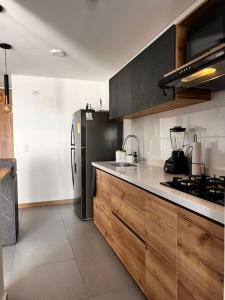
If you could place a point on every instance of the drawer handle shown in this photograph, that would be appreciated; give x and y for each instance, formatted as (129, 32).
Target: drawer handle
(130, 229)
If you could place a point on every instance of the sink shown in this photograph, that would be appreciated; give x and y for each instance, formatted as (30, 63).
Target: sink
(122, 164)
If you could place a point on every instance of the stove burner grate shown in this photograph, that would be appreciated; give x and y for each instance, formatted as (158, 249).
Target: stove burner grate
(205, 187)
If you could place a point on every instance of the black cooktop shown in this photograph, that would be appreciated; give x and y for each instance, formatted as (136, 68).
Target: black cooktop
(205, 187)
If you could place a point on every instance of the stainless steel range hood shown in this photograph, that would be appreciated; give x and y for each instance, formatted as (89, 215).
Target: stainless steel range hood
(206, 71)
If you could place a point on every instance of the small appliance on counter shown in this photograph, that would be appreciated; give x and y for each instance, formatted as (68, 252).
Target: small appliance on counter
(205, 187)
(177, 163)
(120, 156)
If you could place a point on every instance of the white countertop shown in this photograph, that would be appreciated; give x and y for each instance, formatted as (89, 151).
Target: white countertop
(149, 177)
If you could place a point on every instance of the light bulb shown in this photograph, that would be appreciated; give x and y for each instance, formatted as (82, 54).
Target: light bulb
(2, 98)
(7, 108)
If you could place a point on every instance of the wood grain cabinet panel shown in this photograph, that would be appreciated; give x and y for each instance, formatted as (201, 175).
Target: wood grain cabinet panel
(161, 249)
(102, 204)
(128, 203)
(130, 215)
(170, 252)
(129, 193)
(130, 249)
(200, 258)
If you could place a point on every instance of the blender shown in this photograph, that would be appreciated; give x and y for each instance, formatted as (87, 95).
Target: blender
(177, 163)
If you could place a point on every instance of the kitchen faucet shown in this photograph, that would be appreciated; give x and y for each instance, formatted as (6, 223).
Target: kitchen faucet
(138, 143)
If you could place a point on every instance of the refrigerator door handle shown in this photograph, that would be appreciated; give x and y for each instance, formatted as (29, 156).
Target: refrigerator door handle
(72, 137)
(75, 165)
(72, 163)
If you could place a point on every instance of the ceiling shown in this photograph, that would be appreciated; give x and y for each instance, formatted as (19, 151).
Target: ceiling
(98, 36)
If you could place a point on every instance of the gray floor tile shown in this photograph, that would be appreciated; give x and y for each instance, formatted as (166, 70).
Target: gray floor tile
(39, 215)
(44, 267)
(6, 278)
(87, 243)
(52, 229)
(80, 228)
(103, 274)
(42, 251)
(57, 281)
(8, 256)
(7, 259)
(131, 293)
(67, 212)
(20, 212)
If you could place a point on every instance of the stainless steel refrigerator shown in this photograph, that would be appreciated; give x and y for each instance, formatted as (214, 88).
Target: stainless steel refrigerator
(93, 138)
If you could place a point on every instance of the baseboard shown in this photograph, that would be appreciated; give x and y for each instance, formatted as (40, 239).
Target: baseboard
(46, 203)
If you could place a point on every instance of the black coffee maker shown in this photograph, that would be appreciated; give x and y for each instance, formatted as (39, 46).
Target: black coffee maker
(177, 163)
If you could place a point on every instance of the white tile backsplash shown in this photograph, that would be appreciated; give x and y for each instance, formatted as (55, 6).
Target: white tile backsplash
(206, 119)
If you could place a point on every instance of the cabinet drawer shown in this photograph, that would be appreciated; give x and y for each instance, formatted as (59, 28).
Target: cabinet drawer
(128, 203)
(130, 215)
(128, 193)
(103, 192)
(130, 249)
(102, 219)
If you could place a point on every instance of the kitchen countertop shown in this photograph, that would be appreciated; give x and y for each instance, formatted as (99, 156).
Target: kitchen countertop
(149, 177)
(4, 172)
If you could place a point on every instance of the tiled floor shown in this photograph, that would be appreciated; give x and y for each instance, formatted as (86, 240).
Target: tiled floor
(62, 258)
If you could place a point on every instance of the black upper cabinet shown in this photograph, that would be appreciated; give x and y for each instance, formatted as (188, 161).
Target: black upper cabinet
(148, 68)
(135, 87)
(120, 93)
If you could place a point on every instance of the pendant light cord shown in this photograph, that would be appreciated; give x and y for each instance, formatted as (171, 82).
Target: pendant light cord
(5, 63)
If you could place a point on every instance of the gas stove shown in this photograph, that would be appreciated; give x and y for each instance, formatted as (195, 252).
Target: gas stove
(205, 187)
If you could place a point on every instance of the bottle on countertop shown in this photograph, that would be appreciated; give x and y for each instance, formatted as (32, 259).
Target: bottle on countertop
(196, 157)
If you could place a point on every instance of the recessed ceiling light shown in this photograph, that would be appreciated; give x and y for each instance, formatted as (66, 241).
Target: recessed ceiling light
(57, 52)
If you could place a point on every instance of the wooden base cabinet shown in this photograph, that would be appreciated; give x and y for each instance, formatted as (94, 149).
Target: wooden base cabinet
(161, 249)
(102, 204)
(200, 258)
(184, 256)
(170, 252)
(130, 249)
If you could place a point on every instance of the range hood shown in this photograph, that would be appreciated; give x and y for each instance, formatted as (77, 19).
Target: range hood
(206, 71)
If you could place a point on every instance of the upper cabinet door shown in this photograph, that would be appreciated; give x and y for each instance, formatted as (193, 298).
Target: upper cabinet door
(135, 87)
(149, 67)
(120, 93)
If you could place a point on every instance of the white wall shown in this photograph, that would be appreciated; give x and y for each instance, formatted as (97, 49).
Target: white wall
(206, 119)
(43, 110)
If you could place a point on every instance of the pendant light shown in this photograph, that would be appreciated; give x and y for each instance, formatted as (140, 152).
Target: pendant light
(1, 97)
(7, 108)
